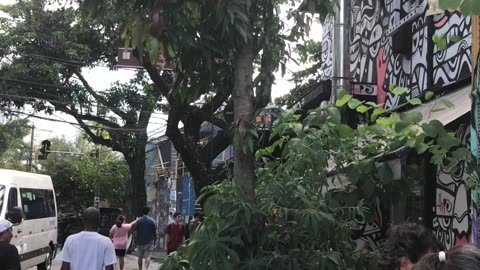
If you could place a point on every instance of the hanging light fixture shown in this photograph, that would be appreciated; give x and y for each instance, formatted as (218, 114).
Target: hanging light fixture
(433, 8)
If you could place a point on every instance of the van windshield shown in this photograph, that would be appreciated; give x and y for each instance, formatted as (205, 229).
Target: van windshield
(2, 197)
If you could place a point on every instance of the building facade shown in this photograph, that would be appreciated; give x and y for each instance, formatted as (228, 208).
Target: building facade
(391, 43)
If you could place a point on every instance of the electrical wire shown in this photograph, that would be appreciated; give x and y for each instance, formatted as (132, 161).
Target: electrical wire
(71, 123)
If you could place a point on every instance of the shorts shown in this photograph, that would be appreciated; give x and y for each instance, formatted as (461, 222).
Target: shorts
(145, 250)
(120, 252)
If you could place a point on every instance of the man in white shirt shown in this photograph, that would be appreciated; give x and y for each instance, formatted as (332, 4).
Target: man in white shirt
(88, 249)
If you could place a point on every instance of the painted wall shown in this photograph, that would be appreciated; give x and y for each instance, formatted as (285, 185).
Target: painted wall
(453, 211)
(375, 62)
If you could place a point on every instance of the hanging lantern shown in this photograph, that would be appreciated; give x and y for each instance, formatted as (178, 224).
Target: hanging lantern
(433, 8)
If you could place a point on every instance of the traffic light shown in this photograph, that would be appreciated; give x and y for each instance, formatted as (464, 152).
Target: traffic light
(45, 150)
(95, 153)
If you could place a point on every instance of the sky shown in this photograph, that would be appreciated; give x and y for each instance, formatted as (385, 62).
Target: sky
(100, 78)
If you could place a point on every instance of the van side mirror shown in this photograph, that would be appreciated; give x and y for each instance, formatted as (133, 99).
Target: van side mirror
(15, 215)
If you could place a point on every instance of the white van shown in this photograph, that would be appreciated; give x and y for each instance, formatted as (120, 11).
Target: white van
(28, 201)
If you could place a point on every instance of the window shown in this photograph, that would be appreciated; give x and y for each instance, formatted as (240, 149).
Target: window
(12, 199)
(37, 203)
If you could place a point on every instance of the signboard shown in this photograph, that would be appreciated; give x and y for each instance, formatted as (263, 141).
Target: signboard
(126, 59)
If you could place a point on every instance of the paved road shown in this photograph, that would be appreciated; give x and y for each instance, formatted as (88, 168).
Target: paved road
(130, 264)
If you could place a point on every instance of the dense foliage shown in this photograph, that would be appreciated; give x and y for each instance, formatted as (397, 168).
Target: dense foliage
(317, 179)
(79, 178)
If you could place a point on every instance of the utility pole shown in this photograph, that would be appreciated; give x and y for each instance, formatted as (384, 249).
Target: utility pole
(30, 159)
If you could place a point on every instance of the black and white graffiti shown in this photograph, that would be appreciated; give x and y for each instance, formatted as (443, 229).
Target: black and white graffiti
(454, 63)
(374, 61)
(452, 209)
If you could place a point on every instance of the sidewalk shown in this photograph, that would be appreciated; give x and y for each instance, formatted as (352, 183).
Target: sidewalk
(131, 263)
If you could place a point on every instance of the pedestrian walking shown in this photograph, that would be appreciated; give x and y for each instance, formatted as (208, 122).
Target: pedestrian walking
(193, 224)
(174, 234)
(88, 249)
(9, 258)
(466, 257)
(405, 245)
(146, 238)
(119, 235)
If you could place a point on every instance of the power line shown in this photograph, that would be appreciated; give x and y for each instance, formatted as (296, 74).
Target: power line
(69, 103)
(71, 123)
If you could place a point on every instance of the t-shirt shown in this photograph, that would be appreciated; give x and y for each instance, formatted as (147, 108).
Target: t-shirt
(120, 236)
(88, 250)
(146, 231)
(176, 233)
(9, 258)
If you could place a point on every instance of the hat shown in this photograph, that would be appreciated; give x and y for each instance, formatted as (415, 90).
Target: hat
(5, 225)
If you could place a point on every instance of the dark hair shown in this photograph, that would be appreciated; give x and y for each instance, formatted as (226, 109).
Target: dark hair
(91, 217)
(406, 240)
(458, 258)
(120, 220)
(176, 214)
(146, 210)
(196, 215)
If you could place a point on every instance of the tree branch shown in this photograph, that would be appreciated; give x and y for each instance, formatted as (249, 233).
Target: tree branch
(208, 117)
(87, 117)
(154, 74)
(217, 145)
(98, 97)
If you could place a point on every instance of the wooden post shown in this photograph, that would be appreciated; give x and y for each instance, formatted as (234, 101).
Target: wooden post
(475, 44)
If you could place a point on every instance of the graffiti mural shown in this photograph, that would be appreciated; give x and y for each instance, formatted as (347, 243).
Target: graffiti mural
(454, 63)
(375, 59)
(366, 231)
(452, 222)
(327, 61)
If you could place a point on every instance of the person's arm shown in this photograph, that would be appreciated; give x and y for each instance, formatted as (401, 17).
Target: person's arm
(111, 233)
(65, 266)
(154, 231)
(13, 260)
(167, 234)
(183, 235)
(133, 222)
(109, 258)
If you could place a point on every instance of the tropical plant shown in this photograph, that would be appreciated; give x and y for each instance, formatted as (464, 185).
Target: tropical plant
(315, 181)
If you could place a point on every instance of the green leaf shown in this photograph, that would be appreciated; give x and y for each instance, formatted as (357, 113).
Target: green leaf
(362, 109)
(391, 87)
(376, 113)
(385, 173)
(442, 43)
(461, 153)
(455, 39)
(398, 91)
(447, 103)
(354, 103)
(411, 117)
(429, 95)
(415, 101)
(433, 129)
(342, 101)
(447, 141)
(153, 47)
(335, 116)
(401, 125)
(345, 132)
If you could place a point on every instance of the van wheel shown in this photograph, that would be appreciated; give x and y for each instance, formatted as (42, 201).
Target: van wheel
(47, 264)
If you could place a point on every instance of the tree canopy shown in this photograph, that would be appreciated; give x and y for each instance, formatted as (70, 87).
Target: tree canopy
(215, 47)
(106, 177)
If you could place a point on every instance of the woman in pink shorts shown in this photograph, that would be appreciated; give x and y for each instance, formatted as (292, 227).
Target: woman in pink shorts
(119, 235)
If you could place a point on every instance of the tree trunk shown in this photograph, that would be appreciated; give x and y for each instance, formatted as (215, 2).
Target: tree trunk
(243, 110)
(136, 164)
